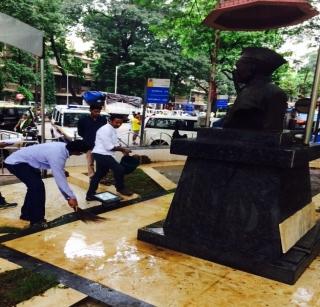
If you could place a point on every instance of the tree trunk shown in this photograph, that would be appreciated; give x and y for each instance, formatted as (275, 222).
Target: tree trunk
(212, 77)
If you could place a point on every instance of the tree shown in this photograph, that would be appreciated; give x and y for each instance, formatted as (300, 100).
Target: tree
(50, 17)
(129, 39)
(182, 22)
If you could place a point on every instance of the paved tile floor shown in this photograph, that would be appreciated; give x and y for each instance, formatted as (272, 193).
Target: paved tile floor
(110, 254)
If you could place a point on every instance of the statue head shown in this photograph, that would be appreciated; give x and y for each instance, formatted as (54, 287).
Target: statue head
(256, 61)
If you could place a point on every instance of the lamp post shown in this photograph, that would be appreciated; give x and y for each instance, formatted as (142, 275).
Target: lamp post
(116, 74)
(67, 89)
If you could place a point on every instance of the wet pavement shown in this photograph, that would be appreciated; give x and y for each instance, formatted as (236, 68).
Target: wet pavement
(107, 262)
(110, 254)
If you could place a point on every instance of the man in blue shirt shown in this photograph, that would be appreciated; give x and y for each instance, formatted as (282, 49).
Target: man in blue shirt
(26, 164)
(87, 129)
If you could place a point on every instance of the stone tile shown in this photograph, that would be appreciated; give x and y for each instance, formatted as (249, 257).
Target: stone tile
(6, 265)
(161, 282)
(82, 181)
(109, 253)
(56, 205)
(243, 289)
(57, 296)
(183, 259)
(93, 250)
(160, 179)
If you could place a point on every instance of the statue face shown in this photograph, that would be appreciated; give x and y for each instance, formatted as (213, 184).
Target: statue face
(244, 71)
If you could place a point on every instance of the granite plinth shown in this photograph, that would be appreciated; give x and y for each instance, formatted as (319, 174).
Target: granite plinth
(269, 149)
(235, 190)
(286, 269)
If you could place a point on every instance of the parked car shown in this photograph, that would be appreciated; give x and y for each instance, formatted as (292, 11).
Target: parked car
(65, 120)
(10, 114)
(159, 128)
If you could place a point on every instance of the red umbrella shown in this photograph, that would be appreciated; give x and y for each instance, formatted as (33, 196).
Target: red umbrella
(253, 15)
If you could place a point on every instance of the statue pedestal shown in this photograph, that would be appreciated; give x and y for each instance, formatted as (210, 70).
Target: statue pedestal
(239, 196)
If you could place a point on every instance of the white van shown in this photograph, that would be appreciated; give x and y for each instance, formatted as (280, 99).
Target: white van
(159, 128)
(65, 120)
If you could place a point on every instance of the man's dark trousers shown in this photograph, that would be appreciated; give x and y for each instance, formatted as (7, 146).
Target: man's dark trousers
(33, 208)
(103, 164)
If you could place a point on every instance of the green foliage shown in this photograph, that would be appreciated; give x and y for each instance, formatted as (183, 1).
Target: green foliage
(129, 39)
(18, 67)
(25, 92)
(182, 21)
(49, 85)
(51, 17)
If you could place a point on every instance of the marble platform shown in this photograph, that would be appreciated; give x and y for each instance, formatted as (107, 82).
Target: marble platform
(110, 254)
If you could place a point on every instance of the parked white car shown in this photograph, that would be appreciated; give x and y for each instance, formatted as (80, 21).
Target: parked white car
(65, 120)
(159, 128)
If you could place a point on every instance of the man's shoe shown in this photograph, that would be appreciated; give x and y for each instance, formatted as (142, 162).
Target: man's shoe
(39, 225)
(90, 198)
(125, 192)
(24, 218)
(6, 205)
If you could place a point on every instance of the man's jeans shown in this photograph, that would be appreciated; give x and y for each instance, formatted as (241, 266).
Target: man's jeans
(34, 203)
(103, 164)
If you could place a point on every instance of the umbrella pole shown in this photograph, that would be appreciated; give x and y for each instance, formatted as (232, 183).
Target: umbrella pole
(313, 105)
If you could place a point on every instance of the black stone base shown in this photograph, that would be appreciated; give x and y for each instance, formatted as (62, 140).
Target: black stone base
(287, 269)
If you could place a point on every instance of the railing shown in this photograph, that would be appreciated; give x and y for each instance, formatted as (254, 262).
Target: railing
(127, 137)
(10, 135)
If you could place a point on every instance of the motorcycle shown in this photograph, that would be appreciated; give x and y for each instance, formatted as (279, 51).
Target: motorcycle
(31, 134)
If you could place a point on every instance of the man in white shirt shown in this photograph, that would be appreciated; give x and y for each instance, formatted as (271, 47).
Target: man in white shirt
(106, 144)
(26, 164)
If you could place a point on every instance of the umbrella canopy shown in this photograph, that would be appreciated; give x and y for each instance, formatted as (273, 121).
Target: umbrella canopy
(253, 15)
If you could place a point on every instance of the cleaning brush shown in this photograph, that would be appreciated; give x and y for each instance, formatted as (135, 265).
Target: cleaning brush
(88, 217)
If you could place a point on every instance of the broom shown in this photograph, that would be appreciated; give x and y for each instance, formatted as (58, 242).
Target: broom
(88, 217)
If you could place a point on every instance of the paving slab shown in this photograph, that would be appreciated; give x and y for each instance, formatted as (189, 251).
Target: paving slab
(56, 205)
(160, 179)
(78, 178)
(57, 296)
(109, 253)
(6, 265)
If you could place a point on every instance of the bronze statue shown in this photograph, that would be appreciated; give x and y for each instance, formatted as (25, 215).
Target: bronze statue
(260, 104)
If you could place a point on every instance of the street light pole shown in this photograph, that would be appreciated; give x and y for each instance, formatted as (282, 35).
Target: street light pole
(116, 80)
(116, 74)
(67, 89)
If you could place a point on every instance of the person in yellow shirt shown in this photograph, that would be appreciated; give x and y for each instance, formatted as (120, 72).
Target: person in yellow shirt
(135, 127)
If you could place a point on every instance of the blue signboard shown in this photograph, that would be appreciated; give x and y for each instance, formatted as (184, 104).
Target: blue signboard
(157, 95)
(222, 103)
(158, 91)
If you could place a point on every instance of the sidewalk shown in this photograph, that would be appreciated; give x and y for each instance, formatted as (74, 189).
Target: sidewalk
(107, 262)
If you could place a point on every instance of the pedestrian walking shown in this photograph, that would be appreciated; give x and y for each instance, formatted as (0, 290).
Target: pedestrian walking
(87, 129)
(135, 127)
